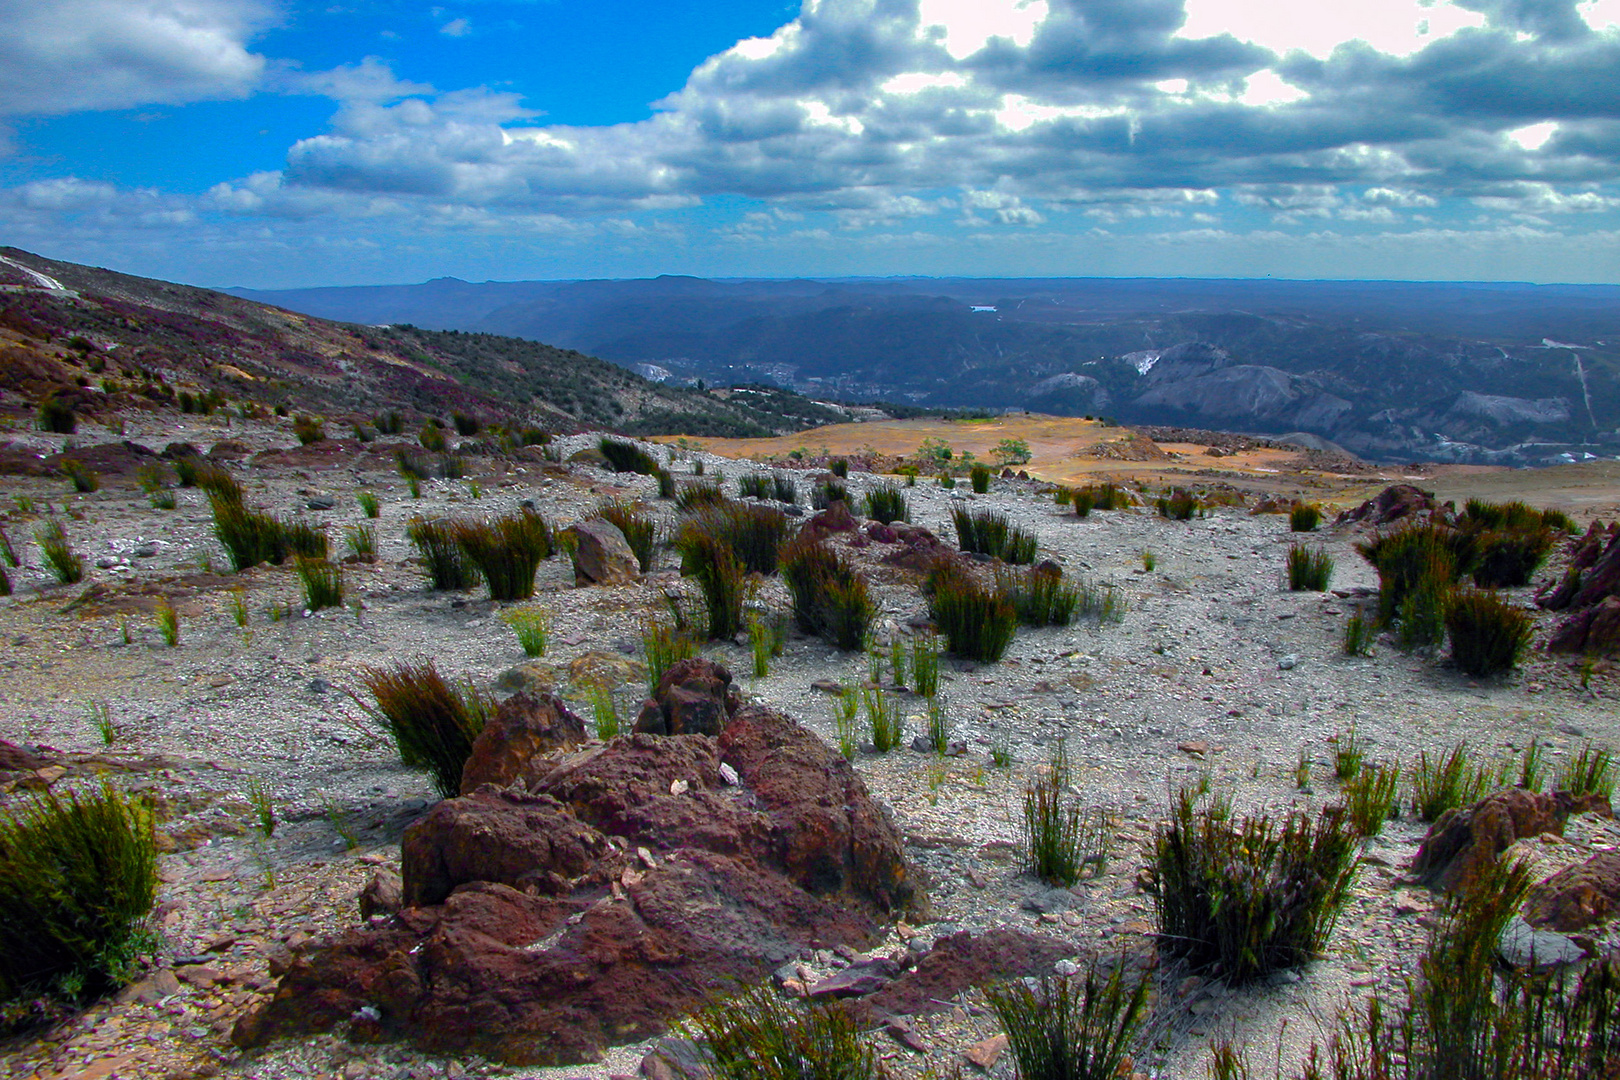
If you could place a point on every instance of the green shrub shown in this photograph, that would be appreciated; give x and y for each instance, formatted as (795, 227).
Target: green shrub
(830, 597)
(757, 1035)
(1423, 559)
(887, 504)
(432, 438)
(827, 492)
(1591, 772)
(925, 663)
(720, 575)
(84, 478)
(1070, 1031)
(785, 489)
(1488, 634)
(639, 530)
(752, 531)
(531, 627)
(78, 875)
(1179, 505)
(308, 429)
(977, 624)
(979, 477)
(56, 416)
(1309, 569)
(628, 457)
(754, 486)
(690, 497)
(981, 533)
(1041, 597)
(1083, 500)
(839, 468)
(58, 552)
(1507, 559)
(433, 722)
(507, 551)
(662, 646)
(1369, 798)
(1249, 895)
(1358, 636)
(1446, 782)
(1304, 517)
(322, 583)
(436, 542)
(361, 541)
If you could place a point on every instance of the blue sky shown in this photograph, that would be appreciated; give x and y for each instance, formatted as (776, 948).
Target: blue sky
(277, 143)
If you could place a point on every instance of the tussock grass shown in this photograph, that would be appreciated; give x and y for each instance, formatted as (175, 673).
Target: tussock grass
(666, 483)
(887, 503)
(78, 875)
(712, 562)
(56, 416)
(1040, 597)
(1070, 1029)
(1508, 559)
(447, 565)
(7, 551)
(754, 486)
(604, 712)
(628, 457)
(433, 722)
(83, 477)
(939, 727)
(690, 497)
(977, 623)
(1488, 634)
(507, 550)
(531, 625)
(662, 646)
(65, 563)
(1422, 559)
(1249, 895)
(1359, 634)
(1179, 505)
(981, 532)
(979, 477)
(830, 597)
(766, 637)
(639, 530)
(839, 468)
(827, 492)
(308, 429)
(1304, 517)
(1060, 837)
(883, 720)
(925, 663)
(1310, 569)
(785, 490)
(369, 504)
(1444, 782)
(1590, 772)
(321, 581)
(361, 540)
(168, 622)
(432, 438)
(757, 1035)
(1370, 798)
(753, 532)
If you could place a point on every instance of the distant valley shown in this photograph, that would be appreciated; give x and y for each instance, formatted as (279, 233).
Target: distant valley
(1391, 371)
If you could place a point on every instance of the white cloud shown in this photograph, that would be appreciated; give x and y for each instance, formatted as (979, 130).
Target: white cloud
(967, 26)
(456, 28)
(1600, 15)
(1533, 137)
(63, 56)
(1395, 27)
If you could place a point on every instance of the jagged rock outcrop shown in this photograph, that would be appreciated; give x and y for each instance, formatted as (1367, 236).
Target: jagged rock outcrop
(1466, 840)
(694, 697)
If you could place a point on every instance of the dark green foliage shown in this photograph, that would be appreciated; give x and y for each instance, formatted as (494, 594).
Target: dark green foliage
(628, 457)
(786, 491)
(8, 552)
(1488, 634)
(1106, 496)
(1072, 1031)
(84, 478)
(887, 504)
(757, 1035)
(839, 468)
(447, 565)
(1058, 833)
(1417, 558)
(1508, 558)
(1249, 895)
(507, 550)
(1041, 597)
(1591, 772)
(304, 540)
(1309, 569)
(1446, 782)
(830, 597)
(5, 583)
(433, 722)
(1179, 505)
(979, 477)
(639, 530)
(308, 429)
(754, 486)
(666, 483)
(452, 466)
(250, 537)
(411, 465)
(827, 492)
(695, 495)
(1369, 798)
(187, 468)
(1512, 516)
(390, 423)
(361, 541)
(78, 874)
(432, 438)
(466, 426)
(1557, 519)
(1083, 499)
(322, 583)
(980, 533)
(369, 504)
(978, 624)
(753, 532)
(58, 553)
(663, 645)
(1304, 517)
(1020, 549)
(708, 558)
(1358, 636)
(56, 415)
(533, 436)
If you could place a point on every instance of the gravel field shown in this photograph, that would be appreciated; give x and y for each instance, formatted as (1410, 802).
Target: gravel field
(1216, 671)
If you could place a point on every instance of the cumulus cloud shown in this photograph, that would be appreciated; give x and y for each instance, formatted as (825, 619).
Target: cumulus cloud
(65, 56)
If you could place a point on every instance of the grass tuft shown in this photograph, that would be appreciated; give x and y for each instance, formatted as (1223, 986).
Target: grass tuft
(322, 583)
(887, 503)
(925, 663)
(720, 575)
(1072, 1030)
(757, 1035)
(884, 720)
(168, 622)
(1446, 782)
(662, 646)
(433, 722)
(753, 532)
(639, 530)
(1370, 797)
(1304, 517)
(628, 457)
(1358, 636)
(1309, 569)
(369, 504)
(65, 563)
(1488, 634)
(1041, 597)
(84, 478)
(979, 477)
(830, 597)
(507, 550)
(978, 624)
(531, 627)
(1591, 772)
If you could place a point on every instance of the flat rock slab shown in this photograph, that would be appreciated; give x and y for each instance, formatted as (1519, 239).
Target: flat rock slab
(959, 962)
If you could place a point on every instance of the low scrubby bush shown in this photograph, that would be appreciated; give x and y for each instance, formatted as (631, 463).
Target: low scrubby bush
(433, 722)
(436, 542)
(759, 1035)
(507, 550)
(65, 563)
(979, 477)
(78, 875)
(627, 457)
(977, 623)
(1072, 1030)
(1249, 895)
(1041, 597)
(1309, 568)
(1488, 634)
(830, 597)
(887, 504)
(1444, 782)
(712, 562)
(753, 532)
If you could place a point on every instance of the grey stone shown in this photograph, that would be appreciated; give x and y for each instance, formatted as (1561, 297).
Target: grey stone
(320, 502)
(1050, 900)
(1522, 945)
(603, 555)
(1287, 662)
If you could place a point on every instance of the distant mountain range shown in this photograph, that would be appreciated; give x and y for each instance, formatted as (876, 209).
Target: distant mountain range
(1509, 373)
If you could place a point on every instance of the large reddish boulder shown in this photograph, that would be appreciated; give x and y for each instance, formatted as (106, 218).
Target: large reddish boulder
(525, 726)
(1593, 629)
(602, 555)
(1466, 840)
(615, 894)
(1578, 896)
(1590, 591)
(835, 519)
(694, 697)
(1398, 502)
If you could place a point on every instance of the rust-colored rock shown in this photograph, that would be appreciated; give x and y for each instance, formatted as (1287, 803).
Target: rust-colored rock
(960, 962)
(835, 519)
(1595, 629)
(1398, 502)
(694, 697)
(1577, 897)
(1464, 841)
(603, 556)
(524, 726)
(383, 895)
(14, 758)
(542, 926)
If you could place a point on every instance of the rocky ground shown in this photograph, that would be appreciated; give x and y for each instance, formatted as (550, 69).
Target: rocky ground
(1216, 671)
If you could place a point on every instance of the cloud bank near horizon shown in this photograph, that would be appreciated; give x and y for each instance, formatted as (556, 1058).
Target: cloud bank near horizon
(1457, 138)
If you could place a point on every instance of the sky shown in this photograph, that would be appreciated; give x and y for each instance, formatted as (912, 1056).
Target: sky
(278, 143)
